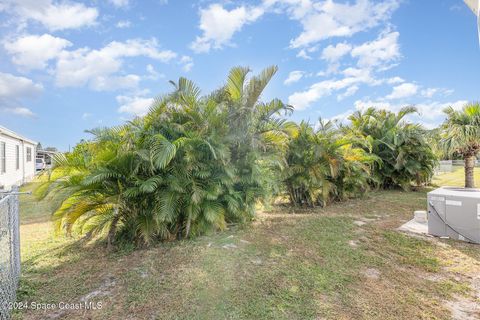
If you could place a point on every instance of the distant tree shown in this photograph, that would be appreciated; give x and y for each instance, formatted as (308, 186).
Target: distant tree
(461, 136)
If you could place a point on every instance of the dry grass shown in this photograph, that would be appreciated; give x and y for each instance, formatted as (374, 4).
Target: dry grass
(317, 264)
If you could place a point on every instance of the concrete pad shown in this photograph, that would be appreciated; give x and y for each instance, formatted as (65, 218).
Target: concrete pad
(414, 227)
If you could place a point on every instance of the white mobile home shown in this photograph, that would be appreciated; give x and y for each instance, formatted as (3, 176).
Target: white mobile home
(17, 159)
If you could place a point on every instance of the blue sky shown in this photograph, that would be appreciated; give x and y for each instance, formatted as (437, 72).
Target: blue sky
(69, 66)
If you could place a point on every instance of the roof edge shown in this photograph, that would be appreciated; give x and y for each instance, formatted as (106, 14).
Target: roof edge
(15, 135)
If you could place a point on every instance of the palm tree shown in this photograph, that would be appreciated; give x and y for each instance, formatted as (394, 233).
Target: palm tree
(323, 165)
(194, 163)
(461, 136)
(402, 147)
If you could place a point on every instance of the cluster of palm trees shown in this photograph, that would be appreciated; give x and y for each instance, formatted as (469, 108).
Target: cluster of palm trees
(196, 163)
(325, 163)
(192, 164)
(403, 147)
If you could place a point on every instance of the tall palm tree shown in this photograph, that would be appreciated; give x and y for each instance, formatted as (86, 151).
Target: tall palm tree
(461, 136)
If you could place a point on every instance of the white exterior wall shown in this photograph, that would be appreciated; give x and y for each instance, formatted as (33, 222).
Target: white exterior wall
(26, 171)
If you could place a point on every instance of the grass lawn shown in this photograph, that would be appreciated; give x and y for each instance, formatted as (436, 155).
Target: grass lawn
(343, 262)
(455, 178)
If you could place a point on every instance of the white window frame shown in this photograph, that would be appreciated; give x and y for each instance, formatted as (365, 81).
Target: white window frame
(29, 154)
(17, 157)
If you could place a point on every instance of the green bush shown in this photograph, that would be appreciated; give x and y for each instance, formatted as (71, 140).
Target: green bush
(324, 165)
(405, 154)
(192, 164)
(196, 163)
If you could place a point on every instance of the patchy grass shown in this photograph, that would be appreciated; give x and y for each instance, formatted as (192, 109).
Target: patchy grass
(290, 264)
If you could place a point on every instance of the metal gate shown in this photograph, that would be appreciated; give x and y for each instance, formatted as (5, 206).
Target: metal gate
(9, 251)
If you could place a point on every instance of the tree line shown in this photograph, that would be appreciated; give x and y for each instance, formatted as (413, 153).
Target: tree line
(196, 163)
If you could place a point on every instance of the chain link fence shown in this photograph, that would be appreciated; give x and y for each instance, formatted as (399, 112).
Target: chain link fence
(9, 251)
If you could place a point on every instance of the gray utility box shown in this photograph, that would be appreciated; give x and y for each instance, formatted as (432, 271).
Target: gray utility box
(454, 213)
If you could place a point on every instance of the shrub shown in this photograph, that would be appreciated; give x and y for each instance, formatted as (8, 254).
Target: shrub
(324, 165)
(192, 164)
(406, 157)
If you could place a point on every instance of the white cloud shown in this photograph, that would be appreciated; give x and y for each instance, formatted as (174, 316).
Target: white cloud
(303, 54)
(335, 53)
(377, 53)
(52, 15)
(13, 87)
(296, 9)
(430, 114)
(430, 92)
(352, 77)
(293, 77)
(99, 68)
(107, 82)
(33, 51)
(135, 105)
(342, 117)
(326, 19)
(187, 63)
(332, 68)
(348, 93)
(123, 24)
(120, 3)
(372, 56)
(434, 110)
(153, 74)
(320, 20)
(302, 100)
(219, 25)
(363, 105)
(395, 80)
(306, 52)
(405, 90)
(20, 111)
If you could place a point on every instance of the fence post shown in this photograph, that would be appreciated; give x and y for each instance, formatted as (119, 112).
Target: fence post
(10, 251)
(16, 233)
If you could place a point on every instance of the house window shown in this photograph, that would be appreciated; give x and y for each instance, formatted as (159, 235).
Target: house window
(3, 158)
(29, 154)
(17, 156)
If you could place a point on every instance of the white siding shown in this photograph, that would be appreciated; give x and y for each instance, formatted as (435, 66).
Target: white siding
(26, 172)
